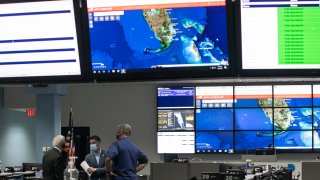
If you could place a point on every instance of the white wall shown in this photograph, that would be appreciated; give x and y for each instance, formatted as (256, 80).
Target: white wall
(17, 138)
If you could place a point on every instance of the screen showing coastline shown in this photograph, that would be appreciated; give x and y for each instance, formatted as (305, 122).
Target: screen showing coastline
(128, 37)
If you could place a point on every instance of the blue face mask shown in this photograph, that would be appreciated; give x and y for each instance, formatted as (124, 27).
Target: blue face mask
(93, 147)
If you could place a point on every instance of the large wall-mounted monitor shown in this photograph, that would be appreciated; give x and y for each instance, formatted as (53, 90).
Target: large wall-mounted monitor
(278, 37)
(135, 39)
(40, 41)
(239, 119)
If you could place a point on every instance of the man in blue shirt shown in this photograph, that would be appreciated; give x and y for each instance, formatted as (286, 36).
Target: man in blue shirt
(96, 159)
(124, 159)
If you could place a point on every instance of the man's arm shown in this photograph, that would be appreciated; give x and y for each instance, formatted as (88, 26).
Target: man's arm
(140, 167)
(142, 161)
(109, 168)
(108, 165)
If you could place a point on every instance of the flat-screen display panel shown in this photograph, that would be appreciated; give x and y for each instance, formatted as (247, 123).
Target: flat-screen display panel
(175, 97)
(280, 35)
(316, 139)
(292, 96)
(253, 96)
(316, 118)
(214, 97)
(39, 39)
(173, 120)
(286, 117)
(293, 140)
(316, 95)
(254, 119)
(214, 119)
(158, 39)
(176, 142)
(293, 118)
(252, 140)
(214, 142)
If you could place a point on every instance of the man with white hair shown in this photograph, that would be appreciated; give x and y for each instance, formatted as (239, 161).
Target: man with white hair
(54, 161)
(124, 159)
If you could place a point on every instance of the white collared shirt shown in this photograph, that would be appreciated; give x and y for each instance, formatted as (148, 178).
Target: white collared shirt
(97, 156)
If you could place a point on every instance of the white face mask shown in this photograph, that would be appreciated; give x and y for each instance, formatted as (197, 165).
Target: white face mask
(93, 147)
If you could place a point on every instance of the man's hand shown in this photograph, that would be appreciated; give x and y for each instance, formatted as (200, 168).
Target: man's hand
(91, 170)
(111, 175)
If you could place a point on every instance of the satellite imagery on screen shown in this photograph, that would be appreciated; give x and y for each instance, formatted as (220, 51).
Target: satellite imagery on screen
(291, 118)
(159, 37)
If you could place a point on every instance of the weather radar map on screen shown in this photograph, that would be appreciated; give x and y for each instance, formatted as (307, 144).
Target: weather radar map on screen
(130, 35)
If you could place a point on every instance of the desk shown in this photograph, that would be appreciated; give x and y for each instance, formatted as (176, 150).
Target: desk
(16, 175)
(310, 170)
(5, 174)
(169, 171)
(11, 176)
(181, 171)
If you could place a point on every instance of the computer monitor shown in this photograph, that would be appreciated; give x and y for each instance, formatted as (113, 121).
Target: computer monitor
(277, 38)
(41, 41)
(133, 39)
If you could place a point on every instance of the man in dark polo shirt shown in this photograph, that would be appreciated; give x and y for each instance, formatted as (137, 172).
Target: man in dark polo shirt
(124, 159)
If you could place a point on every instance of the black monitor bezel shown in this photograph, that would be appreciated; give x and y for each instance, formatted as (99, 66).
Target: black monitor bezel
(84, 63)
(236, 150)
(262, 72)
(170, 73)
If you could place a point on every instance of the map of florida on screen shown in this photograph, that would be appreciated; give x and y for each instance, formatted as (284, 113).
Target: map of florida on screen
(136, 35)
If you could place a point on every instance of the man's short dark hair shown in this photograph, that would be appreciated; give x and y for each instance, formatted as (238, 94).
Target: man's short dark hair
(95, 137)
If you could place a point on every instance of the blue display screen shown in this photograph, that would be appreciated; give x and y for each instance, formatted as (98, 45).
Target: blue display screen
(293, 139)
(316, 101)
(214, 119)
(293, 118)
(316, 139)
(251, 140)
(316, 118)
(253, 123)
(175, 97)
(259, 102)
(253, 119)
(214, 142)
(158, 38)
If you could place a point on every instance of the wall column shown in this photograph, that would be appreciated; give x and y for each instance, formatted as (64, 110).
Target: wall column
(1, 98)
(48, 115)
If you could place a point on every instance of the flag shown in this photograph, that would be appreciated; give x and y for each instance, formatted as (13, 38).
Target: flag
(69, 144)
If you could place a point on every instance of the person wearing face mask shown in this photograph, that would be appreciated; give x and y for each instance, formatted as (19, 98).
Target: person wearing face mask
(96, 159)
(124, 158)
